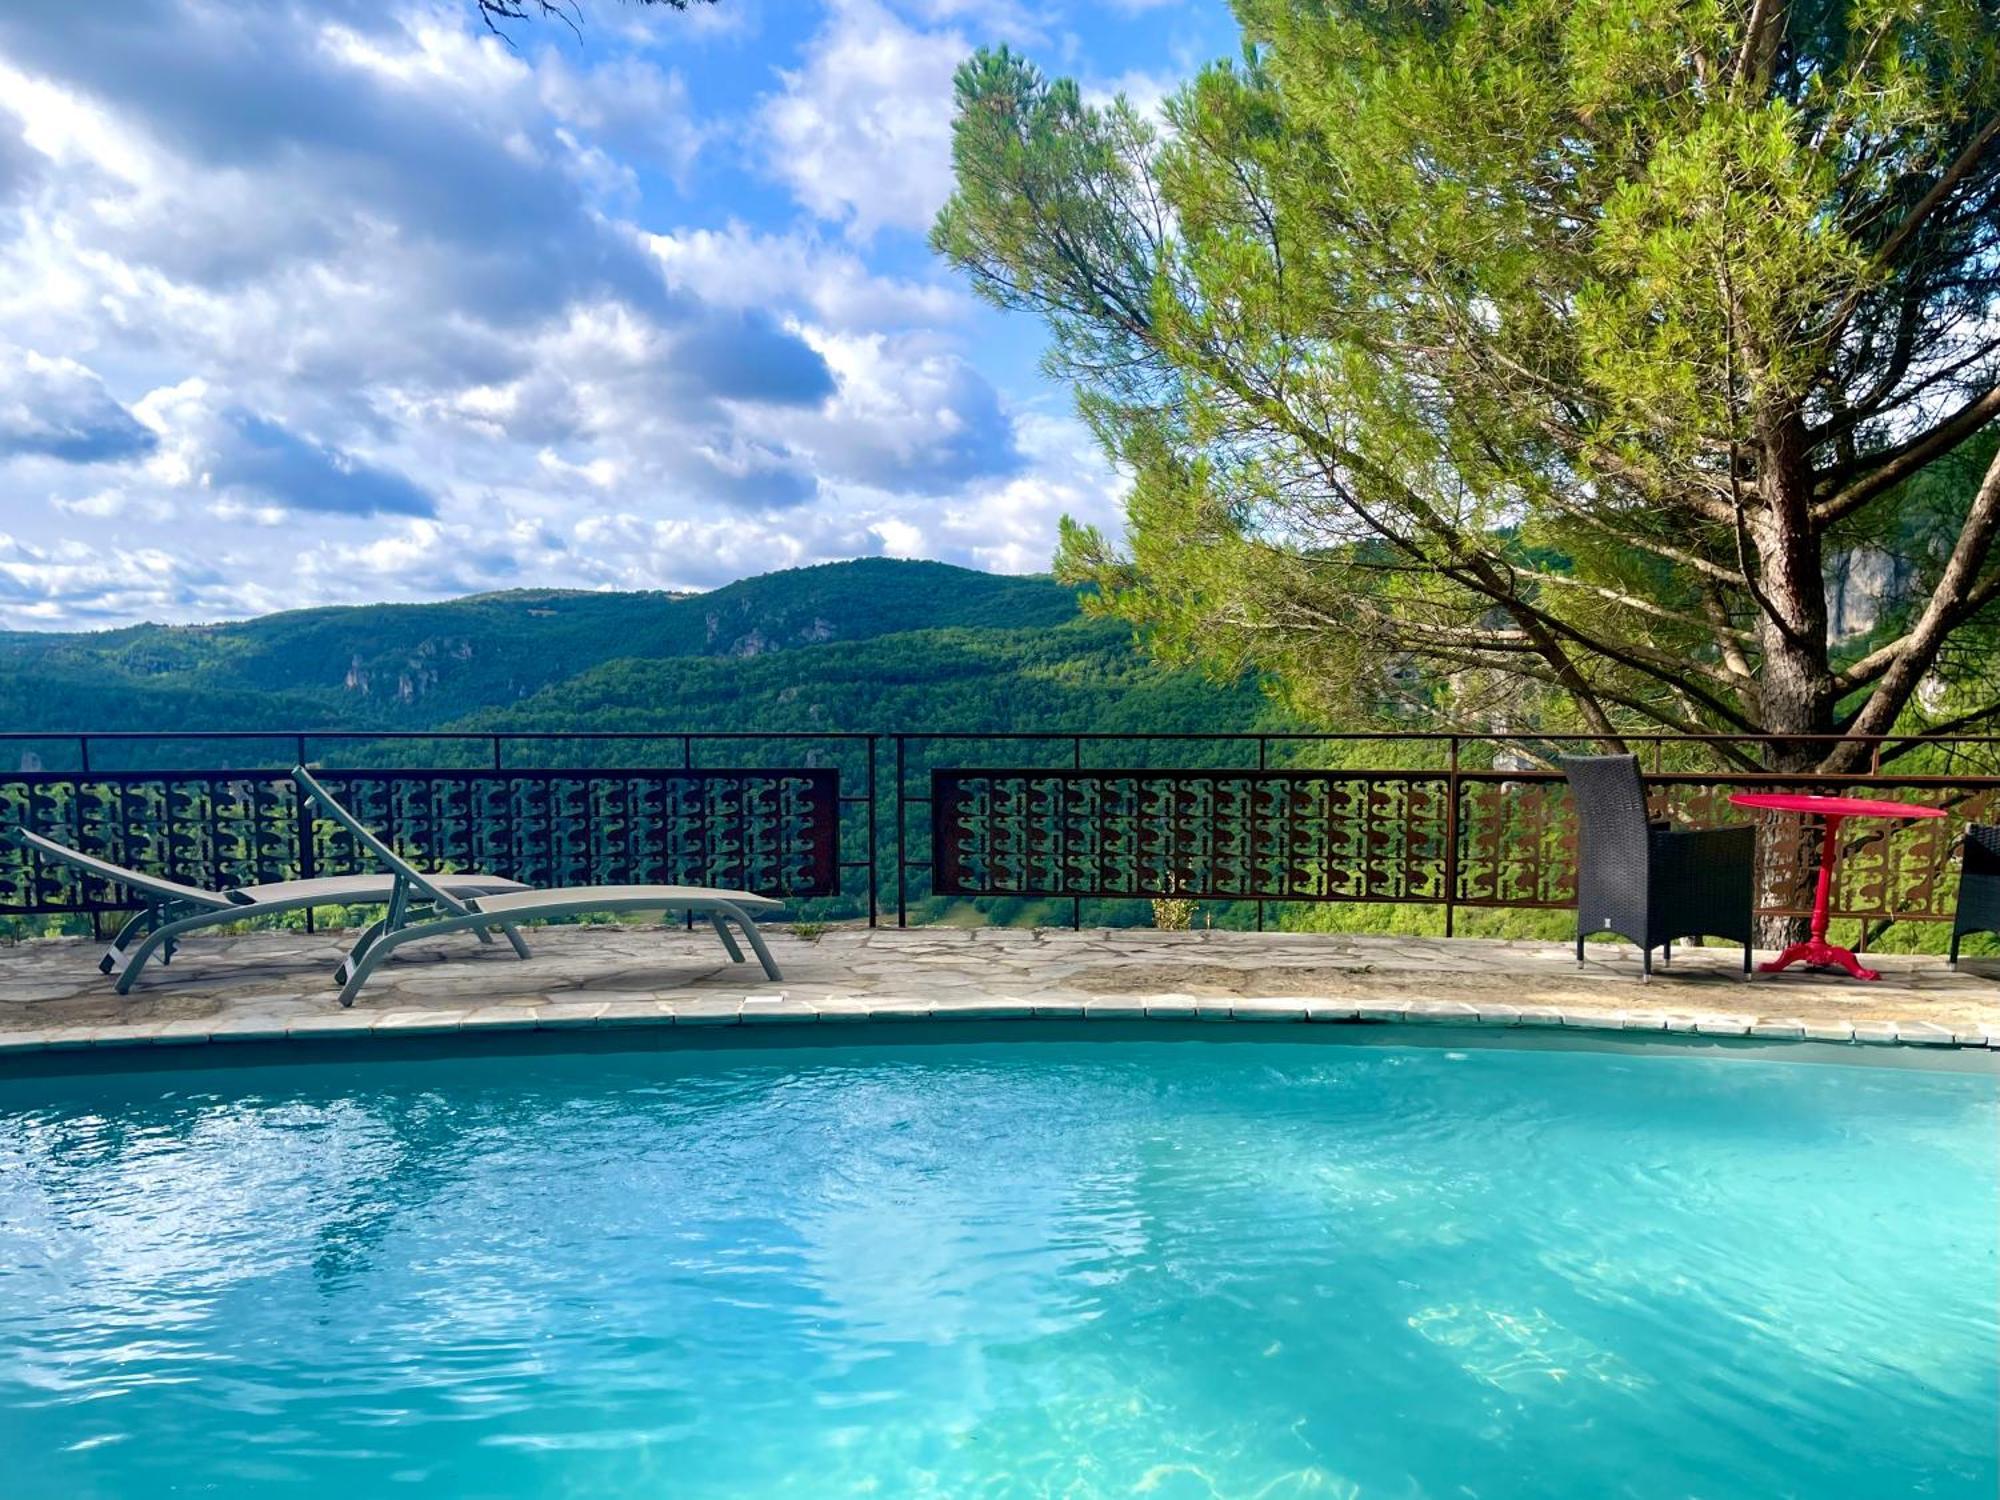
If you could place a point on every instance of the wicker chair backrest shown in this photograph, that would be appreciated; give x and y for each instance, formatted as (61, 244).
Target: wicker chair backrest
(1610, 797)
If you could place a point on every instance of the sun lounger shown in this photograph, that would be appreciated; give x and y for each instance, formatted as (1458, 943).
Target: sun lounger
(172, 910)
(449, 912)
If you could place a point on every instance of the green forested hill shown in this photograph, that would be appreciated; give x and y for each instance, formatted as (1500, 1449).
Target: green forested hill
(873, 644)
(1081, 675)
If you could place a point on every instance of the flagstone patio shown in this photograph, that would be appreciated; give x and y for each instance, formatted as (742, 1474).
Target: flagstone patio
(266, 985)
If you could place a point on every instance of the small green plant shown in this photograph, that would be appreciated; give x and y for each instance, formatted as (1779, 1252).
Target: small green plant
(1173, 913)
(810, 932)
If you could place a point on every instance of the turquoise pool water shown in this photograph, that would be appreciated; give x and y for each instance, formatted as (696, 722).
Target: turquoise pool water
(1182, 1267)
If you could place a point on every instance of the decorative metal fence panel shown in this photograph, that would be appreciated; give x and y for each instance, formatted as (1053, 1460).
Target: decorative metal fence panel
(1889, 870)
(1459, 831)
(774, 832)
(1446, 838)
(1210, 835)
(212, 831)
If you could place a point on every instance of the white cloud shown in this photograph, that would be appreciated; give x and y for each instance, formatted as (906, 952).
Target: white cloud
(600, 473)
(505, 539)
(367, 234)
(1146, 92)
(1019, 23)
(910, 414)
(443, 295)
(1009, 526)
(899, 537)
(99, 505)
(738, 267)
(862, 133)
(77, 581)
(259, 469)
(627, 107)
(59, 409)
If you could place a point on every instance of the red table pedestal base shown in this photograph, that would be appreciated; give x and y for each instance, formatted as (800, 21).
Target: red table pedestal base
(1818, 953)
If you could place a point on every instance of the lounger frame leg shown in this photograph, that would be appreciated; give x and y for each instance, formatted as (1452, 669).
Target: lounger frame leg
(115, 956)
(752, 936)
(722, 931)
(485, 936)
(362, 944)
(371, 955)
(165, 940)
(372, 933)
(363, 961)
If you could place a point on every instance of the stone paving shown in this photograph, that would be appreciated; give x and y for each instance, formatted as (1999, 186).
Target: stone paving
(268, 985)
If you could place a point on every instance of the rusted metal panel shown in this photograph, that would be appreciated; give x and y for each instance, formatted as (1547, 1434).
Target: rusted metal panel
(1446, 837)
(773, 832)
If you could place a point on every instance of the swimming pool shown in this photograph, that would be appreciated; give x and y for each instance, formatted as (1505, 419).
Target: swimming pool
(1169, 1264)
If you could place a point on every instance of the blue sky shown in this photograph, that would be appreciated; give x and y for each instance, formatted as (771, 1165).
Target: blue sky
(338, 302)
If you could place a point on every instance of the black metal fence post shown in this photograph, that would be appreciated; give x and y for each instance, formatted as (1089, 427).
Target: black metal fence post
(1451, 838)
(1263, 764)
(874, 864)
(303, 820)
(902, 840)
(83, 768)
(1075, 902)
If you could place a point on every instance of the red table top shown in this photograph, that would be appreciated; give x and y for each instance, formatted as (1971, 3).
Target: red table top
(1838, 807)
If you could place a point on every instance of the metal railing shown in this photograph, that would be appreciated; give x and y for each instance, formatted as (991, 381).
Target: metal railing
(1451, 820)
(536, 806)
(1466, 821)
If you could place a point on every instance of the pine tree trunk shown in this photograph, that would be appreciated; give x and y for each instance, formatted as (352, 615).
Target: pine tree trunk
(1795, 686)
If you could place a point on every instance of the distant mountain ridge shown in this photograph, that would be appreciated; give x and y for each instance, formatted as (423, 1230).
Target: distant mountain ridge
(870, 644)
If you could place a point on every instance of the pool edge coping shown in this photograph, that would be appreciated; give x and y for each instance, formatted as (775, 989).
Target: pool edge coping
(756, 1010)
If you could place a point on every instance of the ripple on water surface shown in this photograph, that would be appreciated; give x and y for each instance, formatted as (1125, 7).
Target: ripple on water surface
(1175, 1268)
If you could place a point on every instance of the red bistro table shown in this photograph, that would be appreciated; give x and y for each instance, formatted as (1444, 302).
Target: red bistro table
(1816, 952)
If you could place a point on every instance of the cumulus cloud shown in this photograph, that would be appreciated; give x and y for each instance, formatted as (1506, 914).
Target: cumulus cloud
(635, 113)
(19, 163)
(57, 408)
(252, 467)
(739, 267)
(491, 317)
(1010, 526)
(741, 355)
(265, 459)
(102, 505)
(75, 581)
(862, 133)
(911, 415)
(400, 208)
(415, 556)
(349, 230)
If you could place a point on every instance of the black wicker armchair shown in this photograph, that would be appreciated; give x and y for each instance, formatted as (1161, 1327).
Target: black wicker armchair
(1978, 885)
(1650, 882)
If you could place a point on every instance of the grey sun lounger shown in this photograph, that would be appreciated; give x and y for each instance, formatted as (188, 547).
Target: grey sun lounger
(448, 912)
(173, 910)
